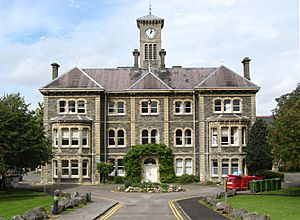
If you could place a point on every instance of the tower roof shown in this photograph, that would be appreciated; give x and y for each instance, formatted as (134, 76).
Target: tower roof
(150, 18)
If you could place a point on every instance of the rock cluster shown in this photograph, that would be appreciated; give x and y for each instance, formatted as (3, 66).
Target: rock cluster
(69, 200)
(156, 189)
(240, 213)
(38, 213)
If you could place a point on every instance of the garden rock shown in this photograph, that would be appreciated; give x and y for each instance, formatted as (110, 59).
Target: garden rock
(57, 192)
(65, 194)
(264, 217)
(231, 193)
(237, 213)
(75, 201)
(38, 213)
(222, 207)
(250, 216)
(75, 194)
(63, 204)
(17, 217)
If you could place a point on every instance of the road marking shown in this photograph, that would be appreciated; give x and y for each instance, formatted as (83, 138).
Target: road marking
(176, 213)
(110, 212)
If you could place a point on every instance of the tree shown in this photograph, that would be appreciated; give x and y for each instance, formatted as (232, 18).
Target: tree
(284, 135)
(258, 150)
(23, 143)
(104, 169)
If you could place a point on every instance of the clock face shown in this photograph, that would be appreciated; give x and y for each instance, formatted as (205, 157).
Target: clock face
(150, 33)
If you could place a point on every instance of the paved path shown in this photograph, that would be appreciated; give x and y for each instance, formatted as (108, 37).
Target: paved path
(195, 210)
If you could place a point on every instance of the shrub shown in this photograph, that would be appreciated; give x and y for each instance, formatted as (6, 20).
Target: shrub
(186, 178)
(118, 179)
(268, 174)
(127, 183)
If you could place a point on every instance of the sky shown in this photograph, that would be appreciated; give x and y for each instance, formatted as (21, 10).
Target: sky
(103, 34)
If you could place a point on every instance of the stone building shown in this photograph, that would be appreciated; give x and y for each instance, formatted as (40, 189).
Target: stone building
(95, 115)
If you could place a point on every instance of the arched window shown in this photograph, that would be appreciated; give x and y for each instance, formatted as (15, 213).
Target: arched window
(178, 107)
(187, 107)
(154, 52)
(62, 106)
(188, 137)
(145, 138)
(120, 108)
(178, 138)
(121, 138)
(154, 136)
(150, 52)
(146, 51)
(234, 166)
(72, 106)
(225, 167)
(111, 138)
(227, 105)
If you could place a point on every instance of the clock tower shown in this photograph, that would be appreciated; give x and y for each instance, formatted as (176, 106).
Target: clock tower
(150, 41)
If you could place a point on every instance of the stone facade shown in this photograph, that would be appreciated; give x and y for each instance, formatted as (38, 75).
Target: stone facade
(93, 115)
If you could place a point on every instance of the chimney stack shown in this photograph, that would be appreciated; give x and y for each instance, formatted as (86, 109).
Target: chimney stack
(54, 70)
(136, 55)
(162, 54)
(246, 62)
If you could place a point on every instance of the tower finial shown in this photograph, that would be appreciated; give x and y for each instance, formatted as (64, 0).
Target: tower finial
(149, 7)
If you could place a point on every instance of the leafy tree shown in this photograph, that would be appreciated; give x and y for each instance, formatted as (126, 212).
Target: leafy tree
(22, 139)
(258, 150)
(104, 169)
(284, 135)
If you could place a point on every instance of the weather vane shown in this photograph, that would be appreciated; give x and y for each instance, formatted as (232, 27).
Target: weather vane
(149, 7)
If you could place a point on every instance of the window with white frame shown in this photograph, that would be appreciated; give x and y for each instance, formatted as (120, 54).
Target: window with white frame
(55, 137)
(150, 136)
(218, 105)
(116, 108)
(72, 106)
(154, 136)
(74, 168)
(178, 138)
(179, 167)
(227, 105)
(224, 136)
(85, 164)
(62, 106)
(236, 105)
(145, 136)
(234, 166)
(214, 137)
(225, 167)
(111, 138)
(234, 136)
(121, 167)
(85, 133)
(111, 160)
(65, 168)
(65, 137)
(183, 107)
(187, 137)
(188, 166)
(55, 171)
(149, 107)
(74, 137)
(243, 136)
(116, 137)
(215, 168)
(81, 107)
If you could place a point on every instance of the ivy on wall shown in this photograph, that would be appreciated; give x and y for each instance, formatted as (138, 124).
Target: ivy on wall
(133, 162)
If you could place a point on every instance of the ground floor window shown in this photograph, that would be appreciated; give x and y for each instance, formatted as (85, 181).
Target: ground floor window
(234, 166)
(119, 168)
(225, 167)
(65, 168)
(55, 169)
(215, 168)
(179, 167)
(85, 168)
(183, 166)
(188, 166)
(74, 168)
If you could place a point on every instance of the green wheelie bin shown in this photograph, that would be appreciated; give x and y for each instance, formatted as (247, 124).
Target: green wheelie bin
(253, 189)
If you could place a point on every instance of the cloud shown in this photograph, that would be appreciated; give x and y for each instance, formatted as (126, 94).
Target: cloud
(104, 33)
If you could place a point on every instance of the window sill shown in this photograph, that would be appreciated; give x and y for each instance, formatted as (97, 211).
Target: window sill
(183, 113)
(149, 114)
(116, 146)
(116, 114)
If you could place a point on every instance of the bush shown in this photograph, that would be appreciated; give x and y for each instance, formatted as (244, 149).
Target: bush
(118, 179)
(186, 178)
(268, 174)
(127, 183)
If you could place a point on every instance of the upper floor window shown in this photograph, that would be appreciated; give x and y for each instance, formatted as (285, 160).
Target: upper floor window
(74, 137)
(55, 137)
(150, 136)
(149, 107)
(65, 137)
(116, 108)
(70, 137)
(243, 136)
(71, 106)
(227, 105)
(183, 137)
(183, 107)
(234, 136)
(116, 137)
(224, 136)
(85, 133)
(215, 137)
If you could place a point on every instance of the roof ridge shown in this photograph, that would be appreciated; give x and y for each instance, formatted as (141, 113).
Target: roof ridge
(207, 77)
(88, 76)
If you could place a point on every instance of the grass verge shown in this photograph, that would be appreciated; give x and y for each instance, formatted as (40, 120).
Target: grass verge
(16, 202)
(274, 203)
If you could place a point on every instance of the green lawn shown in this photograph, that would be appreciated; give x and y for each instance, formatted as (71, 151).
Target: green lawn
(16, 202)
(278, 207)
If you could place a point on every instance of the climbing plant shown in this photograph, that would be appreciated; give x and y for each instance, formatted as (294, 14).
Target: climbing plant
(133, 162)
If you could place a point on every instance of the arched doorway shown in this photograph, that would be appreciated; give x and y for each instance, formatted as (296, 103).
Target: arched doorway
(150, 170)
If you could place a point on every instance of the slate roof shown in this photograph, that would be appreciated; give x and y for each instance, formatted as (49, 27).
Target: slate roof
(122, 79)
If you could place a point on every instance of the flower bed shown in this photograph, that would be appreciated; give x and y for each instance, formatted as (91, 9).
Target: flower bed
(150, 188)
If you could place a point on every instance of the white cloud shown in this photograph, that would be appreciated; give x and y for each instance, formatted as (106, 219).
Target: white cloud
(104, 33)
